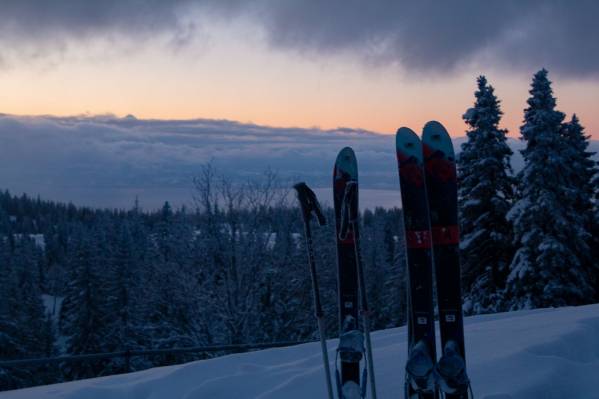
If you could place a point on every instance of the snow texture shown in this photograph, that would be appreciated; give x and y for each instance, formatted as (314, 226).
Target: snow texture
(547, 353)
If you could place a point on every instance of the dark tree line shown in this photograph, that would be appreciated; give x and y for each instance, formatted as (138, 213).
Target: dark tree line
(233, 270)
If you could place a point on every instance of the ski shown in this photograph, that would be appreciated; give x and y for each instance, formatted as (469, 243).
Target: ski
(310, 207)
(349, 221)
(351, 339)
(441, 184)
(420, 365)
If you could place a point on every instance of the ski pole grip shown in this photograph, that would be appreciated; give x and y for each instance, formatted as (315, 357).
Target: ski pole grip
(309, 203)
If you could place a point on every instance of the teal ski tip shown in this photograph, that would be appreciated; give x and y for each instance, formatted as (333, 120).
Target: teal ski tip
(407, 143)
(346, 162)
(436, 138)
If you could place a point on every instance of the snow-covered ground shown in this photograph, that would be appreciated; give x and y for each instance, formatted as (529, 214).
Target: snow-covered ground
(548, 353)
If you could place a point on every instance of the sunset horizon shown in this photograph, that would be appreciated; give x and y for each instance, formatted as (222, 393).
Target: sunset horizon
(338, 199)
(254, 64)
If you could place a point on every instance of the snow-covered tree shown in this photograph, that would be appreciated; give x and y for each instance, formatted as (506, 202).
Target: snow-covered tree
(595, 230)
(384, 266)
(550, 234)
(125, 299)
(277, 315)
(84, 318)
(172, 305)
(24, 327)
(485, 194)
(582, 187)
(581, 165)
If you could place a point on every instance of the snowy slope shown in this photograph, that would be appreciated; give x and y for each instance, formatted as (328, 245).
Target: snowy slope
(550, 353)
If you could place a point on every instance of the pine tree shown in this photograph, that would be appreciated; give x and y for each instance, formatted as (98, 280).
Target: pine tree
(548, 267)
(124, 300)
(29, 305)
(24, 327)
(582, 188)
(84, 319)
(379, 253)
(10, 346)
(582, 165)
(485, 195)
(285, 291)
(172, 305)
(595, 229)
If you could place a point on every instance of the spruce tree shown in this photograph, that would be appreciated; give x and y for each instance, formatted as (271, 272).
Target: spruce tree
(124, 300)
(582, 166)
(485, 195)
(172, 304)
(595, 230)
(84, 317)
(9, 344)
(548, 267)
(582, 187)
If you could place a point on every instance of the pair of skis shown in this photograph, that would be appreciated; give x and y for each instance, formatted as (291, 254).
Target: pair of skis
(427, 175)
(354, 336)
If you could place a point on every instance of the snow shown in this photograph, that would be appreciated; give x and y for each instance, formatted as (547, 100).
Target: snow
(547, 353)
(52, 304)
(471, 202)
(38, 239)
(466, 241)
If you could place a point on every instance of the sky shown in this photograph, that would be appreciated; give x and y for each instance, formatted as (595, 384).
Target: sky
(374, 66)
(102, 101)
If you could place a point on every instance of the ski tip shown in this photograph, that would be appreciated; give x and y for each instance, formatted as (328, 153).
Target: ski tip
(407, 143)
(432, 128)
(436, 137)
(405, 131)
(346, 162)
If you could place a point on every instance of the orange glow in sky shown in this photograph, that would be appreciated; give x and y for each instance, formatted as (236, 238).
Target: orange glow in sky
(248, 82)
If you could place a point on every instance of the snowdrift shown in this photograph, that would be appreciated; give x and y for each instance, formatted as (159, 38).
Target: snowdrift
(547, 353)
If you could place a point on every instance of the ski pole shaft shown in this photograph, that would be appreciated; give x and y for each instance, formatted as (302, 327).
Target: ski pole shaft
(325, 355)
(318, 312)
(370, 365)
(365, 312)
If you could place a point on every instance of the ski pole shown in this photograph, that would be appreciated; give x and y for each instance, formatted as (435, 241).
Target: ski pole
(309, 205)
(351, 214)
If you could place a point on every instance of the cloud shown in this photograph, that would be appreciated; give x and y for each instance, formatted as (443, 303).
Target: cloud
(107, 161)
(34, 19)
(442, 36)
(425, 36)
(46, 30)
(52, 155)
